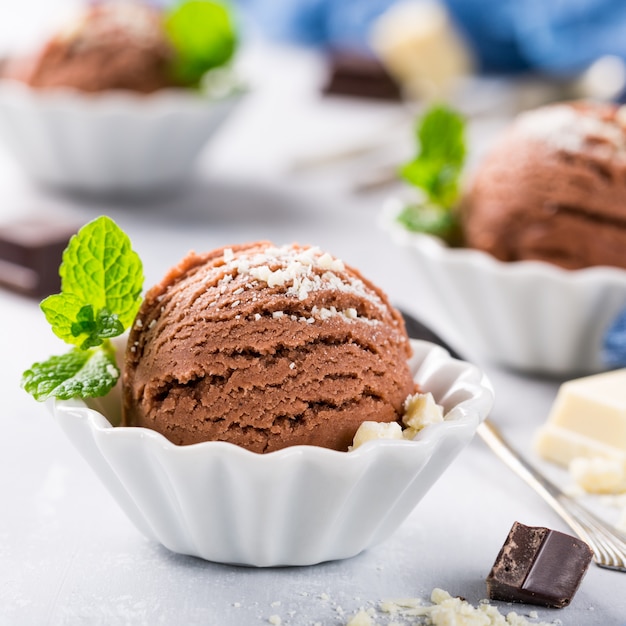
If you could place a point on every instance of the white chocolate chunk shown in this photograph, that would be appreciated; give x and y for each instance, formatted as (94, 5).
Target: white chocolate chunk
(362, 618)
(421, 47)
(561, 445)
(368, 431)
(588, 419)
(599, 475)
(421, 410)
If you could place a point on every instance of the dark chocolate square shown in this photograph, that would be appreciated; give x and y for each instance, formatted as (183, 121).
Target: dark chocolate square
(360, 75)
(537, 565)
(31, 250)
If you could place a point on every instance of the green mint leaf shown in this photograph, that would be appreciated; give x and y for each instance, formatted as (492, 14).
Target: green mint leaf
(101, 283)
(76, 374)
(432, 220)
(204, 37)
(437, 168)
(103, 326)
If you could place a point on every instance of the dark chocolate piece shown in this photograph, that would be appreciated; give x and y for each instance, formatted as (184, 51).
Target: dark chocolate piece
(538, 566)
(355, 74)
(31, 251)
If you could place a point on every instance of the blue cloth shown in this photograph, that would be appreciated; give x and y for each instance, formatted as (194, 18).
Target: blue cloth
(553, 36)
(614, 345)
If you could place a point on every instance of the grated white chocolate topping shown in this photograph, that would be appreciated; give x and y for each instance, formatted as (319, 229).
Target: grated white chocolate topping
(568, 128)
(138, 22)
(299, 272)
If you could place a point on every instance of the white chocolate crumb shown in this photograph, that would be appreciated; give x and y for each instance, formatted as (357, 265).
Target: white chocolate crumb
(446, 610)
(599, 474)
(327, 262)
(369, 431)
(362, 618)
(421, 410)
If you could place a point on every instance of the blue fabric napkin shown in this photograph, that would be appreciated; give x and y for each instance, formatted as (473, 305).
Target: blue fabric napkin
(554, 36)
(614, 345)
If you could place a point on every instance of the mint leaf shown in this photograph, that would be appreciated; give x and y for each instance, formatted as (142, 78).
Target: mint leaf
(101, 283)
(204, 37)
(437, 168)
(432, 220)
(104, 325)
(76, 374)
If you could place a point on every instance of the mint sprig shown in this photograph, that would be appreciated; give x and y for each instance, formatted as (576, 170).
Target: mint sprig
(76, 374)
(204, 37)
(436, 171)
(101, 284)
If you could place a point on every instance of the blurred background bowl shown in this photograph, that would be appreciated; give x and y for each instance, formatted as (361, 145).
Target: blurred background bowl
(110, 142)
(526, 315)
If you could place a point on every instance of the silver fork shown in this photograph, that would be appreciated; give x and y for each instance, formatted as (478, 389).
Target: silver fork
(607, 543)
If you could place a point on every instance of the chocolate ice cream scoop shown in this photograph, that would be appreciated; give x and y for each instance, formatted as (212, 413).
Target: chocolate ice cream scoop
(553, 189)
(112, 45)
(265, 347)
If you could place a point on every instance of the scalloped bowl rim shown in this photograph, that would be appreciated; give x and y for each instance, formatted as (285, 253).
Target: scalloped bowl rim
(152, 104)
(297, 506)
(463, 414)
(436, 246)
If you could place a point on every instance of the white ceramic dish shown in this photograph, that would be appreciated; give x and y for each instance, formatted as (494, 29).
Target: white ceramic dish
(297, 506)
(528, 315)
(108, 142)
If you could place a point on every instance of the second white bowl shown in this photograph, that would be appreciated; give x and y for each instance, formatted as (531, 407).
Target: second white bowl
(526, 315)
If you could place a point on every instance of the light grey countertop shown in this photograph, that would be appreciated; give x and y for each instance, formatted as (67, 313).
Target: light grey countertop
(67, 553)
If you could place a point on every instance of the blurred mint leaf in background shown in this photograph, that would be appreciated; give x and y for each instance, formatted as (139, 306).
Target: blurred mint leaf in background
(433, 220)
(204, 36)
(437, 168)
(436, 172)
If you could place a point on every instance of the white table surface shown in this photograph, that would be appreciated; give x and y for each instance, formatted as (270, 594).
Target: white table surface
(67, 553)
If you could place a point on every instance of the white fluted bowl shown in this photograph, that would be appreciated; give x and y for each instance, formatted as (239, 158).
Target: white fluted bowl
(297, 506)
(109, 142)
(527, 315)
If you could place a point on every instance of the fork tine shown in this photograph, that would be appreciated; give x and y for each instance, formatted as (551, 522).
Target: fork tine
(607, 543)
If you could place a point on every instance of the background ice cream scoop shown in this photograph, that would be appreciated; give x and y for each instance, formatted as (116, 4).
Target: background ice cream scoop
(553, 188)
(113, 45)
